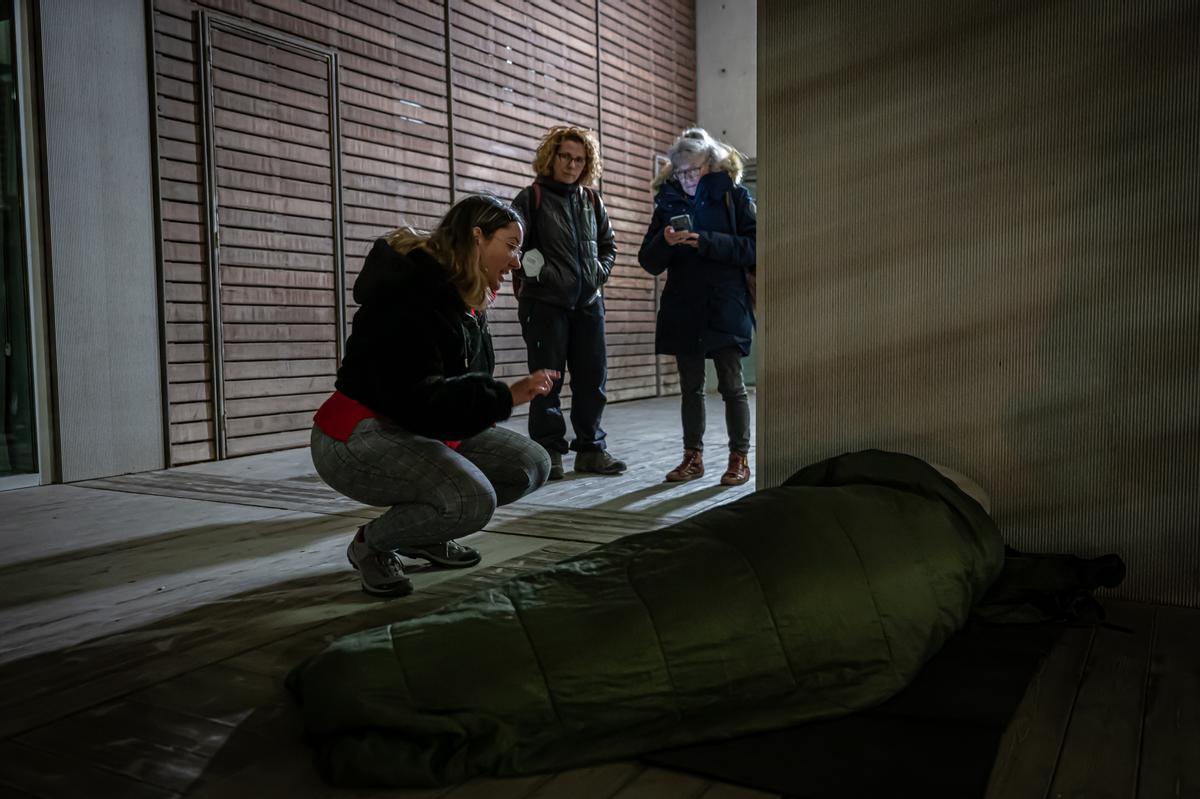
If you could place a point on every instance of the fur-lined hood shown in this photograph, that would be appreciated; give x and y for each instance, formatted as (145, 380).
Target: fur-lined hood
(732, 165)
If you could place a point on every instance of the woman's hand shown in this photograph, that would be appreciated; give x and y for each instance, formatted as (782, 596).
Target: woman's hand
(685, 237)
(537, 384)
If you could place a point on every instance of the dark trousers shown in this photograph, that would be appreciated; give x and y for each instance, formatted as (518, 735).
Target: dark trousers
(567, 341)
(728, 361)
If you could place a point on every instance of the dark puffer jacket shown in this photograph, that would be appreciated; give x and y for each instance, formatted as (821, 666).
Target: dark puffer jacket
(416, 355)
(705, 305)
(576, 239)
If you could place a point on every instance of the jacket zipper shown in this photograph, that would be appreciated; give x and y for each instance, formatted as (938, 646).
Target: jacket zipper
(467, 343)
(576, 223)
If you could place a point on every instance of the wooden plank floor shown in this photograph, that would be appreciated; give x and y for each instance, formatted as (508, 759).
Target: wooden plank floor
(147, 621)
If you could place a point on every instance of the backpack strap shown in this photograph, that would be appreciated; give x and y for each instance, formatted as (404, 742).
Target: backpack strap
(531, 223)
(594, 198)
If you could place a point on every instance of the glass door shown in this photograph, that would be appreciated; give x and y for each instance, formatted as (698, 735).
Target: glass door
(18, 421)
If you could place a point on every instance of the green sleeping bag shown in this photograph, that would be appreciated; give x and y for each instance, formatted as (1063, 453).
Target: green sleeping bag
(807, 601)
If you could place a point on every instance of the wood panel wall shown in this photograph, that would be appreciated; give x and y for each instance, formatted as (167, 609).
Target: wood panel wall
(516, 73)
(647, 98)
(432, 105)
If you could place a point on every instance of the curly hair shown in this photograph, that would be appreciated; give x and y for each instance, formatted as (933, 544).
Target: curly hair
(453, 246)
(543, 161)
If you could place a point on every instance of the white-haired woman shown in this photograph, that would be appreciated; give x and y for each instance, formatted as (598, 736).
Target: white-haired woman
(706, 309)
(412, 423)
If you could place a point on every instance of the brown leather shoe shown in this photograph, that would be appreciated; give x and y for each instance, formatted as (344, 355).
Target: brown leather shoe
(738, 471)
(691, 468)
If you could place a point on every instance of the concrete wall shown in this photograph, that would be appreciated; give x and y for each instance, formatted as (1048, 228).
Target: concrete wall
(979, 243)
(727, 93)
(100, 225)
(726, 71)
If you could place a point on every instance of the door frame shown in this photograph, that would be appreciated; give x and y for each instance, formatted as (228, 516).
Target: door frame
(24, 27)
(207, 22)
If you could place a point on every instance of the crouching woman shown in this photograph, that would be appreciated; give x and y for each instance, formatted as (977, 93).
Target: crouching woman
(411, 425)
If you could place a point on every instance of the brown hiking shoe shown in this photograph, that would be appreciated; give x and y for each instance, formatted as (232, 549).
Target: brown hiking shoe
(738, 471)
(691, 467)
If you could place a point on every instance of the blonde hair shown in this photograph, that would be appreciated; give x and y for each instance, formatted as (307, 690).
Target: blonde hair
(543, 160)
(452, 242)
(718, 155)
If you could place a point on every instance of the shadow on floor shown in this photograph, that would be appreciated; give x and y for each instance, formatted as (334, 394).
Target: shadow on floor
(153, 557)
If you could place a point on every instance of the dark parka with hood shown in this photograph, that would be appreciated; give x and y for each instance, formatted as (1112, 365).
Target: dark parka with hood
(575, 237)
(705, 305)
(416, 354)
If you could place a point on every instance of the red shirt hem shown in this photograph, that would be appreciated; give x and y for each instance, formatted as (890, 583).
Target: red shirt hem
(339, 415)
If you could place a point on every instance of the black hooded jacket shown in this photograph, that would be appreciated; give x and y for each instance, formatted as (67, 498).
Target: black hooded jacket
(416, 355)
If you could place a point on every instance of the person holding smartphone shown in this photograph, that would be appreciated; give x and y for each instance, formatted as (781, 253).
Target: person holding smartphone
(702, 235)
(412, 424)
(568, 255)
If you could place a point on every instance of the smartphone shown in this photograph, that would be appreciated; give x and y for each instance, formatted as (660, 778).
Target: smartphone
(681, 222)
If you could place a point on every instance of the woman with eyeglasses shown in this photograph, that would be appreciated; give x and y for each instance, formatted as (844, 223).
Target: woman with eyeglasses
(411, 426)
(702, 235)
(568, 255)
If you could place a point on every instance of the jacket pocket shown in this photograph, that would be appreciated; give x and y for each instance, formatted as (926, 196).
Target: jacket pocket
(728, 311)
(593, 275)
(552, 282)
(525, 312)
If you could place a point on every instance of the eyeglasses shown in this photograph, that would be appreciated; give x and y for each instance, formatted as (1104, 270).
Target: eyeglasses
(688, 174)
(578, 160)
